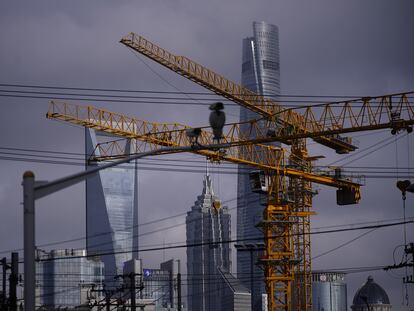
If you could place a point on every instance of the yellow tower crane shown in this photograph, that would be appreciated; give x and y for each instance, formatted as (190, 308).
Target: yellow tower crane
(288, 175)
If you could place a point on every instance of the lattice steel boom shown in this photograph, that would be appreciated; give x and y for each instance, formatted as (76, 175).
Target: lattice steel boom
(323, 125)
(260, 156)
(286, 219)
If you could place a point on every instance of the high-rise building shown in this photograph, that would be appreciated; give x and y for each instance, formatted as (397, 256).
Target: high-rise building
(329, 291)
(208, 224)
(65, 278)
(111, 216)
(260, 74)
(161, 285)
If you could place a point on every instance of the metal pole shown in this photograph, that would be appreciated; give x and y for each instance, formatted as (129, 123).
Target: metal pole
(133, 294)
(29, 240)
(179, 287)
(4, 263)
(251, 278)
(108, 301)
(14, 277)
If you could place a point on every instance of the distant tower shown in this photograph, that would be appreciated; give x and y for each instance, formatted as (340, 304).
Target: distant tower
(372, 295)
(111, 215)
(329, 291)
(207, 222)
(260, 74)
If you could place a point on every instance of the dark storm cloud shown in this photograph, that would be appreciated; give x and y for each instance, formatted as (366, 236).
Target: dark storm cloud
(327, 47)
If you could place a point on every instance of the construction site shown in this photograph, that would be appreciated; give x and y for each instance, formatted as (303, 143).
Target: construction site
(196, 180)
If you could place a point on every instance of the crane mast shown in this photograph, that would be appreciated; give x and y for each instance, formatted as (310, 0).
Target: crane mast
(291, 260)
(289, 176)
(283, 224)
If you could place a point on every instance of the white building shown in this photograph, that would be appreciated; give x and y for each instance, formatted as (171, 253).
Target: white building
(66, 277)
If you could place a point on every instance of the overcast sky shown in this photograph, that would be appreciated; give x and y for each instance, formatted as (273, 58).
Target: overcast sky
(357, 48)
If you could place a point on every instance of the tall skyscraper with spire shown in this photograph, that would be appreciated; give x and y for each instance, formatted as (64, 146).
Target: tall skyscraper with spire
(260, 74)
(208, 224)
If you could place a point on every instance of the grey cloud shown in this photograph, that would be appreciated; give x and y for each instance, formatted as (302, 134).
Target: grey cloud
(327, 47)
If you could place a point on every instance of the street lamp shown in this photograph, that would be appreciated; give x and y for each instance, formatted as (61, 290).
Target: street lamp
(179, 303)
(33, 190)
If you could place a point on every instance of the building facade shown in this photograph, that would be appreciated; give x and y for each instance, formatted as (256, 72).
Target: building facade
(208, 224)
(235, 296)
(161, 285)
(111, 215)
(157, 286)
(260, 74)
(66, 277)
(329, 291)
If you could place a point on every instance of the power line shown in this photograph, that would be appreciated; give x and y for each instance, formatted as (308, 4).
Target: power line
(288, 103)
(363, 150)
(227, 166)
(158, 169)
(221, 165)
(162, 92)
(343, 244)
(181, 224)
(233, 241)
(148, 99)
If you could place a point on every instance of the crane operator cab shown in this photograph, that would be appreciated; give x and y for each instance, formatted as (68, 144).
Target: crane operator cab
(258, 182)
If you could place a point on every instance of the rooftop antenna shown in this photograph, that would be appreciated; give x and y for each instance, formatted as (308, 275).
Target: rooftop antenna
(207, 173)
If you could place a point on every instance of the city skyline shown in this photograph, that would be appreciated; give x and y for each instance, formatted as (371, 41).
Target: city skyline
(343, 49)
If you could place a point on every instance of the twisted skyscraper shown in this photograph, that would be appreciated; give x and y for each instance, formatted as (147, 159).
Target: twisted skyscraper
(260, 74)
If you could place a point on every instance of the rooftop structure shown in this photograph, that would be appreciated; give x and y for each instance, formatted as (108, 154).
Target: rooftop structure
(371, 297)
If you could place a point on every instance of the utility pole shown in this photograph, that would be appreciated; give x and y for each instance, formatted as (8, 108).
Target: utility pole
(5, 268)
(29, 240)
(133, 293)
(108, 300)
(179, 286)
(14, 277)
(405, 186)
(409, 249)
(132, 286)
